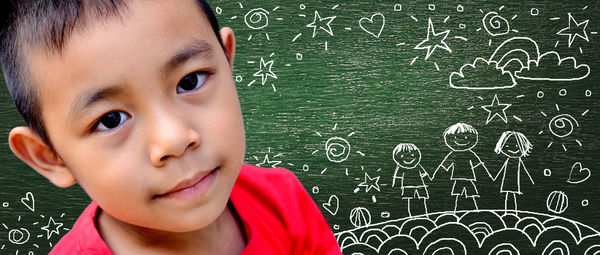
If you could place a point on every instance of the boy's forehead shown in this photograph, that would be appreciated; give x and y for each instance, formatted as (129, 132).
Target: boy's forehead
(181, 25)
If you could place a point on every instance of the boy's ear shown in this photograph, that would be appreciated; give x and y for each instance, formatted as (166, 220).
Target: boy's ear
(29, 147)
(228, 42)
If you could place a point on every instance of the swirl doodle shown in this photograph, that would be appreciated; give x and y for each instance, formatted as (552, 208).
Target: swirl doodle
(495, 24)
(337, 149)
(257, 18)
(562, 125)
(18, 236)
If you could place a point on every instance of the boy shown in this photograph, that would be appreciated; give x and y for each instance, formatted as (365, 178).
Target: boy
(461, 138)
(408, 157)
(135, 101)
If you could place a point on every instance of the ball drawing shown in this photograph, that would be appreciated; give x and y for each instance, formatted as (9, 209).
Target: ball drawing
(360, 217)
(557, 202)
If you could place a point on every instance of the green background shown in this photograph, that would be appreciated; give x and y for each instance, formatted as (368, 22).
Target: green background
(365, 89)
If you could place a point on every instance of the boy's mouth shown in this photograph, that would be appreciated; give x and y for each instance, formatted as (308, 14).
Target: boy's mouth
(461, 144)
(190, 187)
(409, 162)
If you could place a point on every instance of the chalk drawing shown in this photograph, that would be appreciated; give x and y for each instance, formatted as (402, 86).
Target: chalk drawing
(495, 109)
(52, 227)
(269, 162)
(461, 138)
(574, 30)
(373, 25)
(265, 71)
(495, 25)
(467, 232)
(433, 40)
(18, 236)
(538, 69)
(482, 74)
(517, 58)
(397, 7)
(332, 205)
(578, 174)
(337, 149)
(257, 18)
(29, 201)
(411, 174)
(557, 202)
(562, 125)
(515, 146)
(370, 183)
(317, 24)
(360, 217)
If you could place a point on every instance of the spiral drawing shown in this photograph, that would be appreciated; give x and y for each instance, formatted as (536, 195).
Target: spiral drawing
(337, 149)
(495, 24)
(562, 125)
(18, 236)
(257, 18)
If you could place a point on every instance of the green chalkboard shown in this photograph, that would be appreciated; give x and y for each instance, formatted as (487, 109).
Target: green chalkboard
(340, 91)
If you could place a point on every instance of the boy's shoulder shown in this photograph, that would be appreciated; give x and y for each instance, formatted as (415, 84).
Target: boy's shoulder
(278, 215)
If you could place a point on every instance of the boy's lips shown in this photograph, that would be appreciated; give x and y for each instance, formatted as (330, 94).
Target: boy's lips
(191, 186)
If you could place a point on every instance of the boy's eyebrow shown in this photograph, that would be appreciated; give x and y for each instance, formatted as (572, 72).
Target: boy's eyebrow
(84, 100)
(194, 48)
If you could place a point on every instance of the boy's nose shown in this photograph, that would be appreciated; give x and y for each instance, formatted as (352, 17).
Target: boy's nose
(170, 137)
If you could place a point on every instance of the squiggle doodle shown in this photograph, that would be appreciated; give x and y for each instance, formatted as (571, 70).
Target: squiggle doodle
(495, 24)
(257, 18)
(337, 149)
(18, 236)
(562, 125)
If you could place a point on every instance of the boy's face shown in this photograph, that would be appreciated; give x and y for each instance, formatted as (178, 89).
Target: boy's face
(143, 111)
(461, 141)
(511, 147)
(408, 158)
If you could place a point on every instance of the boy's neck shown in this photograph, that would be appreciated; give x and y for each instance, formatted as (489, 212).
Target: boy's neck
(224, 236)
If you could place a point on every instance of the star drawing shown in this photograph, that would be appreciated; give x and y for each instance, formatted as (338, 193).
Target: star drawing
(431, 42)
(268, 162)
(316, 25)
(573, 30)
(494, 110)
(368, 183)
(52, 228)
(265, 74)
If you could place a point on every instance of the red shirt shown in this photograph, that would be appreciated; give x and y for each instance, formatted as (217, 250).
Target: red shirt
(278, 216)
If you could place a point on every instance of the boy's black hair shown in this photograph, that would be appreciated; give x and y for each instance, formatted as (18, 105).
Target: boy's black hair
(48, 24)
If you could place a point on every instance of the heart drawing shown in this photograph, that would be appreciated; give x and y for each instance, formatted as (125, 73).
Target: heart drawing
(332, 205)
(578, 174)
(29, 201)
(373, 24)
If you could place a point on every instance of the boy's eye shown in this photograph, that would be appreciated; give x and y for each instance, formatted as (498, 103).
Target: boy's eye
(110, 121)
(192, 82)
